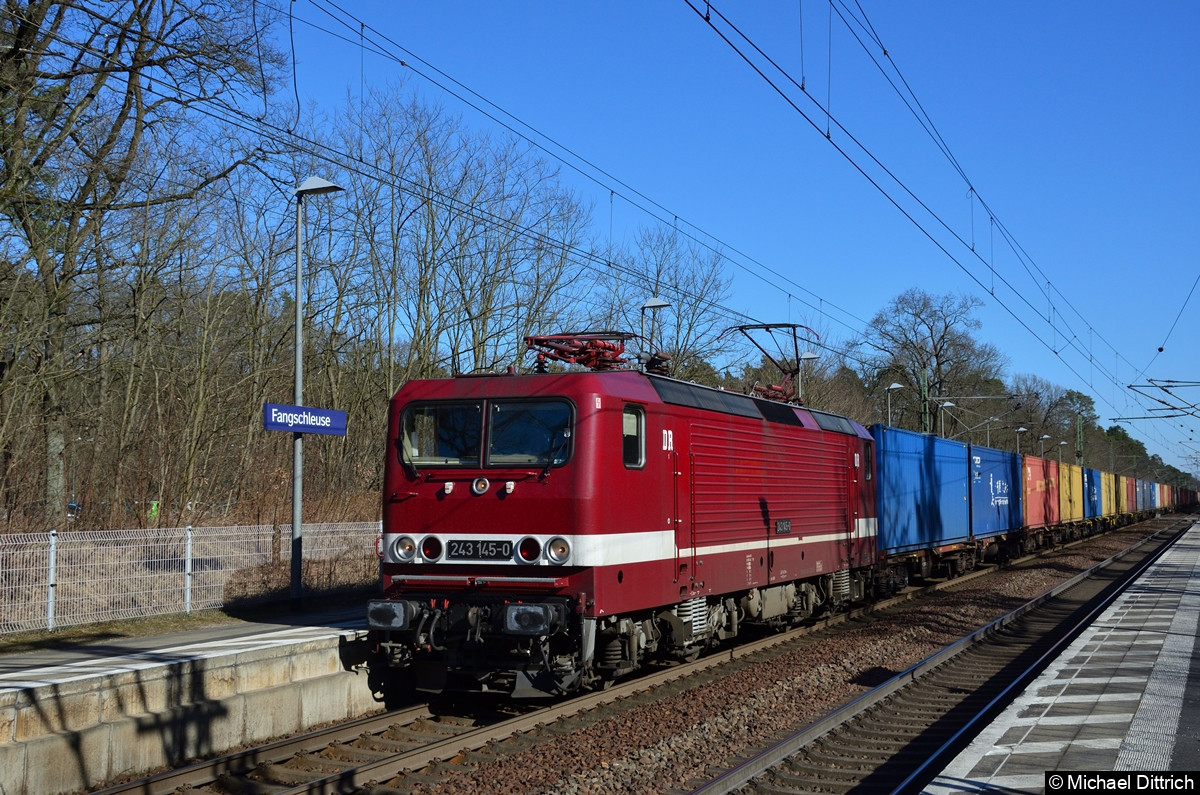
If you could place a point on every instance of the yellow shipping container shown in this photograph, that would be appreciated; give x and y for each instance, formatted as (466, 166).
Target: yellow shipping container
(1070, 493)
(1108, 494)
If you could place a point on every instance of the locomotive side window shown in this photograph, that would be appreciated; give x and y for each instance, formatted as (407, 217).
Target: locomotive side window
(442, 434)
(633, 437)
(529, 432)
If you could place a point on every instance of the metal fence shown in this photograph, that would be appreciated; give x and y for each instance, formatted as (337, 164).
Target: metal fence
(53, 580)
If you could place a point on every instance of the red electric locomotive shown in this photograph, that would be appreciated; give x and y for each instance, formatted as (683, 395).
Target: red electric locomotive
(549, 531)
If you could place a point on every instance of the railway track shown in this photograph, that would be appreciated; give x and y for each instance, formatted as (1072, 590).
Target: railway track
(414, 745)
(898, 737)
(422, 745)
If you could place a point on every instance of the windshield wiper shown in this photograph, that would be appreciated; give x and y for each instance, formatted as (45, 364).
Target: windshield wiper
(406, 461)
(554, 450)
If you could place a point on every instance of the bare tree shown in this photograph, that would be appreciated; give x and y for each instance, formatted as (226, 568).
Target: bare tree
(510, 271)
(926, 343)
(693, 282)
(391, 133)
(88, 96)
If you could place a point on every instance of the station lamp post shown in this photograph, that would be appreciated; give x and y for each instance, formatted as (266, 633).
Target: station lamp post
(313, 186)
(1061, 445)
(1019, 432)
(942, 415)
(889, 390)
(807, 356)
(653, 303)
(1042, 445)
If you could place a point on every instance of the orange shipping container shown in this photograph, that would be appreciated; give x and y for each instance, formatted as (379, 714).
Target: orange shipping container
(1039, 488)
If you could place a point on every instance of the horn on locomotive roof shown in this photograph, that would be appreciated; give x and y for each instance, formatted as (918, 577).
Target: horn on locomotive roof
(790, 389)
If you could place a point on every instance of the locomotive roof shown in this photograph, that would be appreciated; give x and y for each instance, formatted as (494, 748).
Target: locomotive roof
(669, 390)
(684, 393)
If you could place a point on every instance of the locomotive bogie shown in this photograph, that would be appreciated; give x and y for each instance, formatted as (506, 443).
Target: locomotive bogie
(526, 644)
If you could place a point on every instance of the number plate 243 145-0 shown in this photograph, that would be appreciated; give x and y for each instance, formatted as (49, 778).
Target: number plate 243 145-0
(459, 549)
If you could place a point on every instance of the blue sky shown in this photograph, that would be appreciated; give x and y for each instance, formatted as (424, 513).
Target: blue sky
(1076, 124)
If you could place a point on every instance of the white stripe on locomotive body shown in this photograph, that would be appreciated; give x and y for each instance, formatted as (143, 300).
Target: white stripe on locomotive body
(624, 549)
(865, 528)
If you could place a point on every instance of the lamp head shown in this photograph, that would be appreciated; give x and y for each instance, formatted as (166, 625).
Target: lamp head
(314, 186)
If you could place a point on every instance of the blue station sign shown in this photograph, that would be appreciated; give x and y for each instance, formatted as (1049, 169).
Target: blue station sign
(303, 419)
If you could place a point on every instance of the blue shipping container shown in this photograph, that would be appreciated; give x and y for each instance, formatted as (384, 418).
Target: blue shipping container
(921, 490)
(995, 492)
(1093, 504)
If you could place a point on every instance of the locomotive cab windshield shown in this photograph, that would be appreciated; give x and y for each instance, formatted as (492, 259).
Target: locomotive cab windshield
(516, 433)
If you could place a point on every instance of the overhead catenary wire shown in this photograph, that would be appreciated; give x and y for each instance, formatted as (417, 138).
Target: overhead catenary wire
(358, 38)
(909, 98)
(239, 119)
(535, 139)
(569, 157)
(576, 162)
(362, 41)
(1171, 330)
(236, 118)
(1073, 339)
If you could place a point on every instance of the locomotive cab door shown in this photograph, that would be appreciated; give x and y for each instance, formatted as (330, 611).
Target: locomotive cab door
(681, 512)
(860, 504)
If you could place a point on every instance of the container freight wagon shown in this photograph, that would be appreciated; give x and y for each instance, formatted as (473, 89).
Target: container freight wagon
(922, 496)
(1145, 495)
(1093, 503)
(1070, 494)
(547, 532)
(995, 495)
(1128, 492)
(1039, 485)
(1109, 502)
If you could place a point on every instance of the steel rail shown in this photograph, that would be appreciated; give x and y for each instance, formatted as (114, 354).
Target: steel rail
(201, 773)
(273, 754)
(972, 727)
(781, 750)
(366, 775)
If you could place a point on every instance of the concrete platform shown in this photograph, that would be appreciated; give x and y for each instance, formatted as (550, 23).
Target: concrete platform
(1125, 696)
(77, 717)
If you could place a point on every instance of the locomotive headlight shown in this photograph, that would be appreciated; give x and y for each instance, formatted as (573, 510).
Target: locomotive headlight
(388, 615)
(558, 550)
(479, 486)
(527, 619)
(404, 548)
